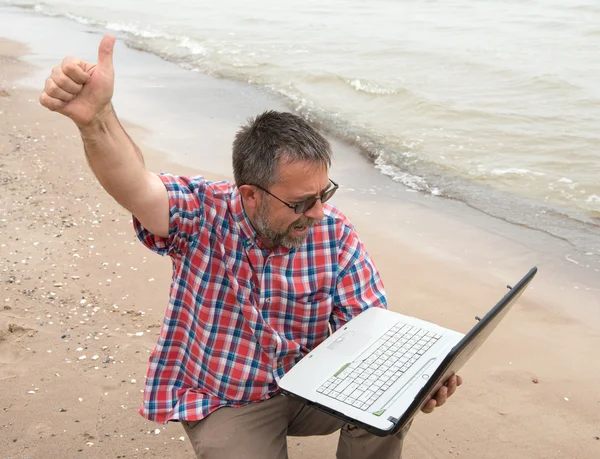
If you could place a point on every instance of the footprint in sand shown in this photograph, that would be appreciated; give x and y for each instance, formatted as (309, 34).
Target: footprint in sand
(9, 349)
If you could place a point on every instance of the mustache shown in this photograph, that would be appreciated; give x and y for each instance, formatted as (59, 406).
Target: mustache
(305, 221)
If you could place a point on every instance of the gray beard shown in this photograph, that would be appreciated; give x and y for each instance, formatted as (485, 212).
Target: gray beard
(284, 239)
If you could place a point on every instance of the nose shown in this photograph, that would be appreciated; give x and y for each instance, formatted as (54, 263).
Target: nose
(316, 212)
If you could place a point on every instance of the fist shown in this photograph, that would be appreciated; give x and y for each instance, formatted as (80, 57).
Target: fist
(82, 90)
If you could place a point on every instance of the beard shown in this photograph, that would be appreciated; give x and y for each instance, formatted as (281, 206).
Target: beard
(284, 238)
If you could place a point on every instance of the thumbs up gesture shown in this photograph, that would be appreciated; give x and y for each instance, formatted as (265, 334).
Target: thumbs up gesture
(82, 90)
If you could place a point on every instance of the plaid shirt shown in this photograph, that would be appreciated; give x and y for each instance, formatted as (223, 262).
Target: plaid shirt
(240, 316)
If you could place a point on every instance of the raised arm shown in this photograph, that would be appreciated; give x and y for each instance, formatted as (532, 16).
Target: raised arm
(83, 92)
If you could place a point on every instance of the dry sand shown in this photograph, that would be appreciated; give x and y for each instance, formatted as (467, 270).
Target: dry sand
(82, 301)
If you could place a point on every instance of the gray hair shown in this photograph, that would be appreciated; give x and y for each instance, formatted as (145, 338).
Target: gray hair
(271, 139)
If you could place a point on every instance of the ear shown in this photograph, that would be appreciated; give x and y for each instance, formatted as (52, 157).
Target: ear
(250, 197)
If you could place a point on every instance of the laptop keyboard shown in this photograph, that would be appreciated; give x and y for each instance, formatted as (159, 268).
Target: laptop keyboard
(363, 381)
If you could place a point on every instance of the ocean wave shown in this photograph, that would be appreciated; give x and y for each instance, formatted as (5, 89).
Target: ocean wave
(25, 6)
(193, 46)
(515, 171)
(370, 87)
(46, 10)
(593, 198)
(357, 85)
(413, 182)
(552, 81)
(136, 31)
(591, 32)
(80, 19)
(130, 28)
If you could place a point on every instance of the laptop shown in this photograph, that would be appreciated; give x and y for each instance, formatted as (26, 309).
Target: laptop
(381, 367)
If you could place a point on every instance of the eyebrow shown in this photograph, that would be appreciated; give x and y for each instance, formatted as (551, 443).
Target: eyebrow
(304, 197)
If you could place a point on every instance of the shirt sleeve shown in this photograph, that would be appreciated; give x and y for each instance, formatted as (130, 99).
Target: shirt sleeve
(187, 215)
(359, 285)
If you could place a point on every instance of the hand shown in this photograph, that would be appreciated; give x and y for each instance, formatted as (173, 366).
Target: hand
(79, 89)
(443, 393)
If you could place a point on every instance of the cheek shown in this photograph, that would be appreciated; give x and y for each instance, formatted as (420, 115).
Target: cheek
(283, 222)
(277, 221)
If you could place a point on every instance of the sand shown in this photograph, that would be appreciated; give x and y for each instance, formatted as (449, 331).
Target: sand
(82, 302)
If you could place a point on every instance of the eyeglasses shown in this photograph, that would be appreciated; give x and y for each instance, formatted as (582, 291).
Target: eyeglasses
(309, 203)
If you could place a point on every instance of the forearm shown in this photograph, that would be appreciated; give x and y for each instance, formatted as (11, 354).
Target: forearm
(114, 158)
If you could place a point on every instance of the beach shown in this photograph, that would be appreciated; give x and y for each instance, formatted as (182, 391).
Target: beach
(82, 301)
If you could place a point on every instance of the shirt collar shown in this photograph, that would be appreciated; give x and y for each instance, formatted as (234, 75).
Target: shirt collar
(247, 231)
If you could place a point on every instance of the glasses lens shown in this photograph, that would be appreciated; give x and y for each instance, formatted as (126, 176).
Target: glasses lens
(328, 194)
(305, 206)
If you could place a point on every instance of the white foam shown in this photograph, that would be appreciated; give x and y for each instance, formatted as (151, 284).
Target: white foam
(370, 88)
(133, 29)
(195, 48)
(515, 171)
(414, 182)
(79, 19)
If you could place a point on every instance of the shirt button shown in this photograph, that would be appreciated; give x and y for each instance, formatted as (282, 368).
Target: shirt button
(268, 300)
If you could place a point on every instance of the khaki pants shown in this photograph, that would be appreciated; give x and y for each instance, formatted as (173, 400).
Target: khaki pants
(259, 431)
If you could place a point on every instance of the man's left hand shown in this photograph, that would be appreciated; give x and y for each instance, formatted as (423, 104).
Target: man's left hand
(442, 394)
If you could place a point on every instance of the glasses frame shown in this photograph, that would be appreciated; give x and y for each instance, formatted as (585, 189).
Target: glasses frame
(305, 205)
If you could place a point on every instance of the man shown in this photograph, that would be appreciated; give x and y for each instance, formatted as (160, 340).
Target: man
(261, 270)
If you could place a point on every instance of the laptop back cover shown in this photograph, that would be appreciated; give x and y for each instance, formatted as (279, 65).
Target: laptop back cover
(461, 353)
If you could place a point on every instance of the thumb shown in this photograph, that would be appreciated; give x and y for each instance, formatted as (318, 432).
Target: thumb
(105, 52)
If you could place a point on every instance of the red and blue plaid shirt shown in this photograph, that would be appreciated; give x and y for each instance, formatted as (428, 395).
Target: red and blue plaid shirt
(240, 316)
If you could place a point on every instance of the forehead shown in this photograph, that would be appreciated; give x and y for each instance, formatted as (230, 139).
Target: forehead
(302, 178)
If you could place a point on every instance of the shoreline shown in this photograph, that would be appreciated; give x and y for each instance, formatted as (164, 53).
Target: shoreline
(439, 261)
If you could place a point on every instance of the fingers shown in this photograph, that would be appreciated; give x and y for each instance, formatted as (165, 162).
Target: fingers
(429, 406)
(51, 103)
(64, 82)
(105, 52)
(56, 92)
(441, 396)
(452, 385)
(443, 393)
(74, 69)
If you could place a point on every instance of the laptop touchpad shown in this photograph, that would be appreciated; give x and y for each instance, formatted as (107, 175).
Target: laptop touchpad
(350, 342)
